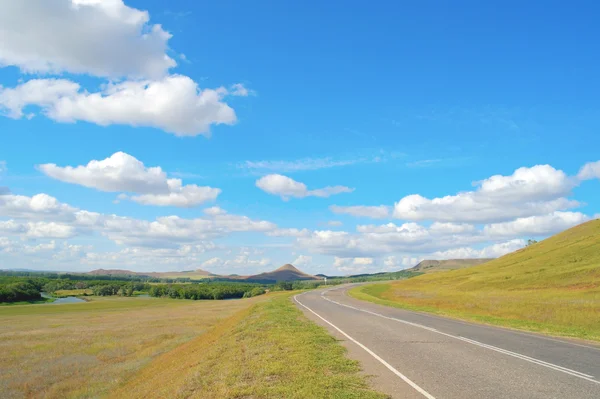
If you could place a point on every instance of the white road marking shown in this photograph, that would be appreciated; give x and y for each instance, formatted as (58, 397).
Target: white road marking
(369, 351)
(473, 342)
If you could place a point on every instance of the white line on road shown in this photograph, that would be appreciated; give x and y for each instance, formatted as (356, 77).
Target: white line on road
(370, 352)
(473, 342)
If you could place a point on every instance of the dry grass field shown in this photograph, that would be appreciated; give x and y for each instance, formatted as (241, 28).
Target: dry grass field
(84, 350)
(267, 351)
(262, 347)
(552, 286)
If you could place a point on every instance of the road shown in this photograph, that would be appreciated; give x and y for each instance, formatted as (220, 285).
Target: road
(416, 355)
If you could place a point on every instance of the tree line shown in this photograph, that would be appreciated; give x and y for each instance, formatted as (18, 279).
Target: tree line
(212, 291)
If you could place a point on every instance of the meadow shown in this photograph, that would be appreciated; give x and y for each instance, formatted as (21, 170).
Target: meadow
(552, 287)
(270, 350)
(87, 349)
(128, 347)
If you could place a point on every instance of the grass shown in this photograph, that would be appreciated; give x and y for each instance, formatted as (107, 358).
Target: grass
(66, 293)
(86, 349)
(267, 351)
(551, 287)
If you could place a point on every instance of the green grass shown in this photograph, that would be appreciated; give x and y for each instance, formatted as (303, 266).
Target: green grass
(66, 293)
(551, 287)
(84, 350)
(268, 351)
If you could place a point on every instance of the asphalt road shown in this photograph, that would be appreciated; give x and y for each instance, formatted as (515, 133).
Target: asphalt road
(415, 355)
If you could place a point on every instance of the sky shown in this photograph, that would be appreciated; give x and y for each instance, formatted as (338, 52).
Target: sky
(343, 137)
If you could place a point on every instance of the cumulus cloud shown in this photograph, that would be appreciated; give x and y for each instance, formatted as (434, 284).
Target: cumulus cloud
(97, 37)
(174, 104)
(395, 262)
(374, 212)
(286, 187)
(163, 232)
(538, 190)
(590, 170)
(241, 263)
(536, 225)
(123, 172)
(352, 265)
(302, 260)
(491, 251)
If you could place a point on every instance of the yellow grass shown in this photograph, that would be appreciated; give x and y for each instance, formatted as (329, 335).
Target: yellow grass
(268, 351)
(86, 349)
(65, 293)
(551, 287)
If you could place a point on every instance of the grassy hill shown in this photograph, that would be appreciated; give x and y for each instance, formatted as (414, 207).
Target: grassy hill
(552, 286)
(284, 273)
(428, 266)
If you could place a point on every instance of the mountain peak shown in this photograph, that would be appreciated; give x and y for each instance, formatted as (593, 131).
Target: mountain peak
(288, 267)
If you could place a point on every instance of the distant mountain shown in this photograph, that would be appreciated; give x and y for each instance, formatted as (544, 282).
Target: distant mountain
(198, 273)
(284, 273)
(114, 272)
(429, 266)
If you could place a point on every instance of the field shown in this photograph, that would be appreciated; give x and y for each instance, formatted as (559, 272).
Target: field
(552, 287)
(267, 351)
(262, 347)
(85, 349)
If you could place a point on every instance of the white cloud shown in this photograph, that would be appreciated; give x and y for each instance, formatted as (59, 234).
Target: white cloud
(123, 172)
(352, 265)
(302, 260)
(2, 166)
(297, 165)
(97, 37)
(374, 212)
(287, 187)
(239, 264)
(163, 232)
(378, 240)
(527, 192)
(536, 225)
(289, 232)
(590, 170)
(334, 223)
(394, 262)
(180, 196)
(174, 104)
(37, 206)
(239, 90)
(452, 228)
(492, 251)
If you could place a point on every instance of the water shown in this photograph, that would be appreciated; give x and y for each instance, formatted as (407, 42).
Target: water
(58, 301)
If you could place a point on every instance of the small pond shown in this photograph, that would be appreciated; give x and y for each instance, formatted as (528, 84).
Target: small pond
(58, 301)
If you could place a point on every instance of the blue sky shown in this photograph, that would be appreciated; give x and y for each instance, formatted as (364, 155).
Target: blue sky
(344, 137)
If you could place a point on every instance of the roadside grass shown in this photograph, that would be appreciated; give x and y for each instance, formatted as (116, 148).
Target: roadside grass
(270, 350)
(551, 287)
(84, 350)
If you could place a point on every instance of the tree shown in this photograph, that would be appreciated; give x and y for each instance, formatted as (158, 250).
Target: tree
(531, 241)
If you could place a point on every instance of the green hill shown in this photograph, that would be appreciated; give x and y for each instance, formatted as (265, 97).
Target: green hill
(429, 266)
(552, 286)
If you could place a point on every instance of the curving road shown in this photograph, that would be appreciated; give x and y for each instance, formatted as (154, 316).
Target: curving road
(416, 355)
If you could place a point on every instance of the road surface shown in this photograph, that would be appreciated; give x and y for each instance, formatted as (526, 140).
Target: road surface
(415, 355)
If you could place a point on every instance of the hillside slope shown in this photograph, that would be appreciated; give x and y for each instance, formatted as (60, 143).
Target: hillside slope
(284, 273)
(551, 286)
(428, 266)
